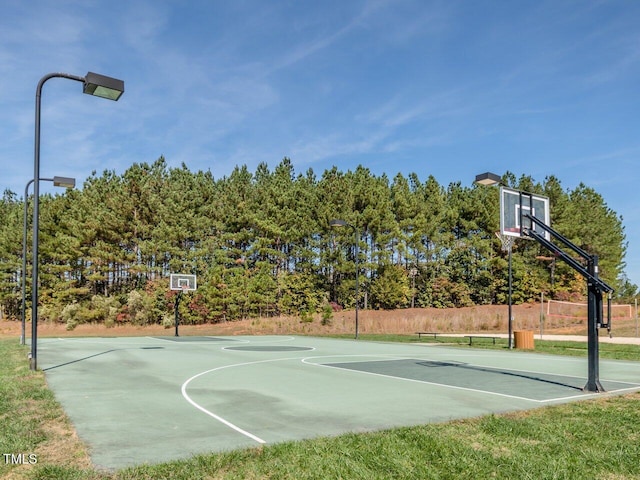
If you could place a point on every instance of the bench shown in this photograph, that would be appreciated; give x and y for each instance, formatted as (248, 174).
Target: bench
(471, 337)
(435, 334)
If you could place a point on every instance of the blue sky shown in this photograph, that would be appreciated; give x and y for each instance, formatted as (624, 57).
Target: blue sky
(444, 88)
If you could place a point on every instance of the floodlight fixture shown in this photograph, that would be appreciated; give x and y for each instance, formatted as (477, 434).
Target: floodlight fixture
(64, 182)
(488, 179)
(337, 223)
(103, 86)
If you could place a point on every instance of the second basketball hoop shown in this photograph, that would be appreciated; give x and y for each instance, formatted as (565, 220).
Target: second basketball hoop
(181, 282)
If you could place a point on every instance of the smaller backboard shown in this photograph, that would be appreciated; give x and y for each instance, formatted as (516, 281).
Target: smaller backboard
(182, 282)
(514, 205)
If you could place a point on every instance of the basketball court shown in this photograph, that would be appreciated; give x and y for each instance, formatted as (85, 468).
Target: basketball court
(138, 400)
(141, 400)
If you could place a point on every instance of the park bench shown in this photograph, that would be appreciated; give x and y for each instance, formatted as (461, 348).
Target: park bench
(435, 334)
(486, 337)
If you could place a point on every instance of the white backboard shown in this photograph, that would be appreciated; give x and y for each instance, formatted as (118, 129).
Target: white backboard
(514, 204)
(182, 282)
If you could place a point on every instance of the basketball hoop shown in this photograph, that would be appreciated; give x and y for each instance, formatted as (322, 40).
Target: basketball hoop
(182, 289)
(181, 283)
(507, 241)
(516, 207)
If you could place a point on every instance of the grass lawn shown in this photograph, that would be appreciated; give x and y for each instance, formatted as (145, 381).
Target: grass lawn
(595, 439)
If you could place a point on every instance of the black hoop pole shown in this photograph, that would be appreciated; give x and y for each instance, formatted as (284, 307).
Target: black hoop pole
(595, 288)
(177, 315)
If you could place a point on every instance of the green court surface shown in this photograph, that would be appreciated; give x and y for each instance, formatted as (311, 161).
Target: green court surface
(141, 400)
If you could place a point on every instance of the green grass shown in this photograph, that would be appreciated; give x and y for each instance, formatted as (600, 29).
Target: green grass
(596, 439)
(19, 391)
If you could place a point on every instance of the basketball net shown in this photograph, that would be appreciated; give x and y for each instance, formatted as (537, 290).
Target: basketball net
(507, 241)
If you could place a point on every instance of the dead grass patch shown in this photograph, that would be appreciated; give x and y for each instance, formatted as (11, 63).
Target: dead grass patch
(478, 319)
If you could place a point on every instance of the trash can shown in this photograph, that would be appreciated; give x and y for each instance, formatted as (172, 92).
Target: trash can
(524, 339)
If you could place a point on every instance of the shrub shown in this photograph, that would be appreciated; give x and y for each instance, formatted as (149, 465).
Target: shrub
(75, 314)
(168, 320)
(390, 288)
(327, 314)
(306, 317)
(141, 307)
(105, 309)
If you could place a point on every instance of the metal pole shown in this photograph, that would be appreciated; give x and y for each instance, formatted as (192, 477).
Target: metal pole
(541, 314)
(357, 252)
(177, 315)
(594, 313)
(341, 223)
(23, 281)
(509, 301)
(33, 361)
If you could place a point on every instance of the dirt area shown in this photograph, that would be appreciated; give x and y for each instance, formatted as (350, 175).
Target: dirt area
(486, 318)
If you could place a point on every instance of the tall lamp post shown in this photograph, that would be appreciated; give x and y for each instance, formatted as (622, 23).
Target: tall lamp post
(64, 182)
(491, 179)
(336, 223)
(93, 84)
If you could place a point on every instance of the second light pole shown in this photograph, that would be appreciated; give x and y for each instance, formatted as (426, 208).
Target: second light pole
(491, 179)
(64, 182)
(336, 223)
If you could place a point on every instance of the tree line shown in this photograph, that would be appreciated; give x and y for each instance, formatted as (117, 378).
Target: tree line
(261, 244)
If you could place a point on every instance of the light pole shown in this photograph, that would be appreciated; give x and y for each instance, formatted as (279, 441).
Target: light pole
(491, 179)
(93, 84)
(64, 182)
(336, 223)
(509, 247)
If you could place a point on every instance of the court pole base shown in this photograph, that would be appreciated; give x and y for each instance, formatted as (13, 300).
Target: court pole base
(594, 386)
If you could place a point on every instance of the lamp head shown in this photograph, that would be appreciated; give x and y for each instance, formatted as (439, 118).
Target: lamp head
(64, 182)
(103, 86)
(488, 179)
(337, 223)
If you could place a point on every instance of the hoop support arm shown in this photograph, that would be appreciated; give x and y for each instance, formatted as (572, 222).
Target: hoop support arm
(584, 254)
(572, 262)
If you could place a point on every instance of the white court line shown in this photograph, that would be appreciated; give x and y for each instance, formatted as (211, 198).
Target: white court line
(217, 417)
(422, 382)
(583, 395)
